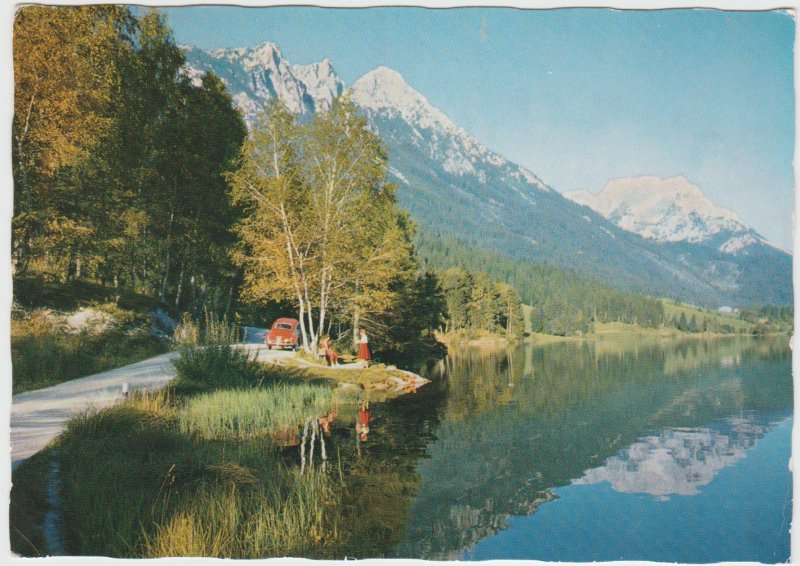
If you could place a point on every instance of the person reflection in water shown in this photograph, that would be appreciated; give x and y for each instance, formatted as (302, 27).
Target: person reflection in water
(326, 421)
(362, 422)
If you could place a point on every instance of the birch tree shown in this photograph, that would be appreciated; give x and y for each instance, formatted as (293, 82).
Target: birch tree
(354, 209)
(275, 243)
(318, 213)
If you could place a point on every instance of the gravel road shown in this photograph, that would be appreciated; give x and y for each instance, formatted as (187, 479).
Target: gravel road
(39, 416)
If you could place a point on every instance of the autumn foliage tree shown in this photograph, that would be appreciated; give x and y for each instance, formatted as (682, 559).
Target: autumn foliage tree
(118, 157)
(64, 81)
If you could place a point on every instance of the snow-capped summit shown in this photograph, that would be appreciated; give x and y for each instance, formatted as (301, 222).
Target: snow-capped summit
(384, 89)
(322, 83)
(668, 210)
(265, 56)
(387, 98)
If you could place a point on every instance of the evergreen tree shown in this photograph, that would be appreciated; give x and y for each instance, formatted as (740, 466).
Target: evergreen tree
(683, 326)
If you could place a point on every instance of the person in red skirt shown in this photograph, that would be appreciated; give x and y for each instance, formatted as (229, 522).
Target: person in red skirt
(363, 347)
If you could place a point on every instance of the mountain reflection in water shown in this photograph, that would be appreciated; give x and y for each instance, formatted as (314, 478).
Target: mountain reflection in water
(678, 461)
(497, 433)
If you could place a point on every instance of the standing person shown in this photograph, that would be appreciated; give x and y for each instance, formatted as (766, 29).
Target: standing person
(363, 347)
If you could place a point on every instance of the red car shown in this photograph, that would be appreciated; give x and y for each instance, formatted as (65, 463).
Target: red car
(285, 333)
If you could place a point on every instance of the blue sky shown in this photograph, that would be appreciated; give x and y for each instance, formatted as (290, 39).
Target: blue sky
(579, 96)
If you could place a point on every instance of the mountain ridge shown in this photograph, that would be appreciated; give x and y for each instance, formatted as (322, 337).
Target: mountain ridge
(454, 185)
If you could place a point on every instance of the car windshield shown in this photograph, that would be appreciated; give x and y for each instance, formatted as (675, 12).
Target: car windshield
(283, 326)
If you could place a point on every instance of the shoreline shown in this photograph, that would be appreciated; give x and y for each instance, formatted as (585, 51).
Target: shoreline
(498, 341)
(376, 382)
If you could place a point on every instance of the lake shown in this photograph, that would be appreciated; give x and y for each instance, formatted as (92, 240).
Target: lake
(602, 450)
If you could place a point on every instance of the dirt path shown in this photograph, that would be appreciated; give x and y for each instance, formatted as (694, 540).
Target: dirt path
(39, 416)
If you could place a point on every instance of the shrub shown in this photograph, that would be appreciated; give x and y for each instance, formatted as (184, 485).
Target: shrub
(216, 366)
(208, 358)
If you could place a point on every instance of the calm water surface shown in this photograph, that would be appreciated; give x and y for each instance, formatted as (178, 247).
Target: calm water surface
(578, 452)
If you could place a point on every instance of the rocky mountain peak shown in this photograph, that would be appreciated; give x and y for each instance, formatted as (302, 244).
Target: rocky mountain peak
(321, 82)
(385, 90)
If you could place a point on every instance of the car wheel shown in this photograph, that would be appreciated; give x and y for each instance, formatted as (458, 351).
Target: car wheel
(269, 347)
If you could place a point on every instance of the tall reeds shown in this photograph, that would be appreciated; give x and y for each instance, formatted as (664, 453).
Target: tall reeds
(199, 474)
(159, 476)
(291, 517)
(239, 414)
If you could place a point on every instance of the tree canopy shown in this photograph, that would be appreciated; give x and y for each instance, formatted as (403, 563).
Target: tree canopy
(119, 158)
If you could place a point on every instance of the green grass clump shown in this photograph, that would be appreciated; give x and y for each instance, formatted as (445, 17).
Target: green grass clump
(208, 359)
(216, 366)
(243, 413)
(290, 517)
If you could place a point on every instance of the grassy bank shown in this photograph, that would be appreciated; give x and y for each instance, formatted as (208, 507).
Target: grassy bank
(378, 382)
(602, 329)
(43, 353)
(243, 414)
(140, 480)
(621, 330)
(731, 323)
(46, 351)
(190, 474)
(199, 469)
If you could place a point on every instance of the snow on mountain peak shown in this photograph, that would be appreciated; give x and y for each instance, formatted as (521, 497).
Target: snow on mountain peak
(668, 210)
(385, 89)
(266, 56)
(255, 75)
(384, 92)
(322, 83)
